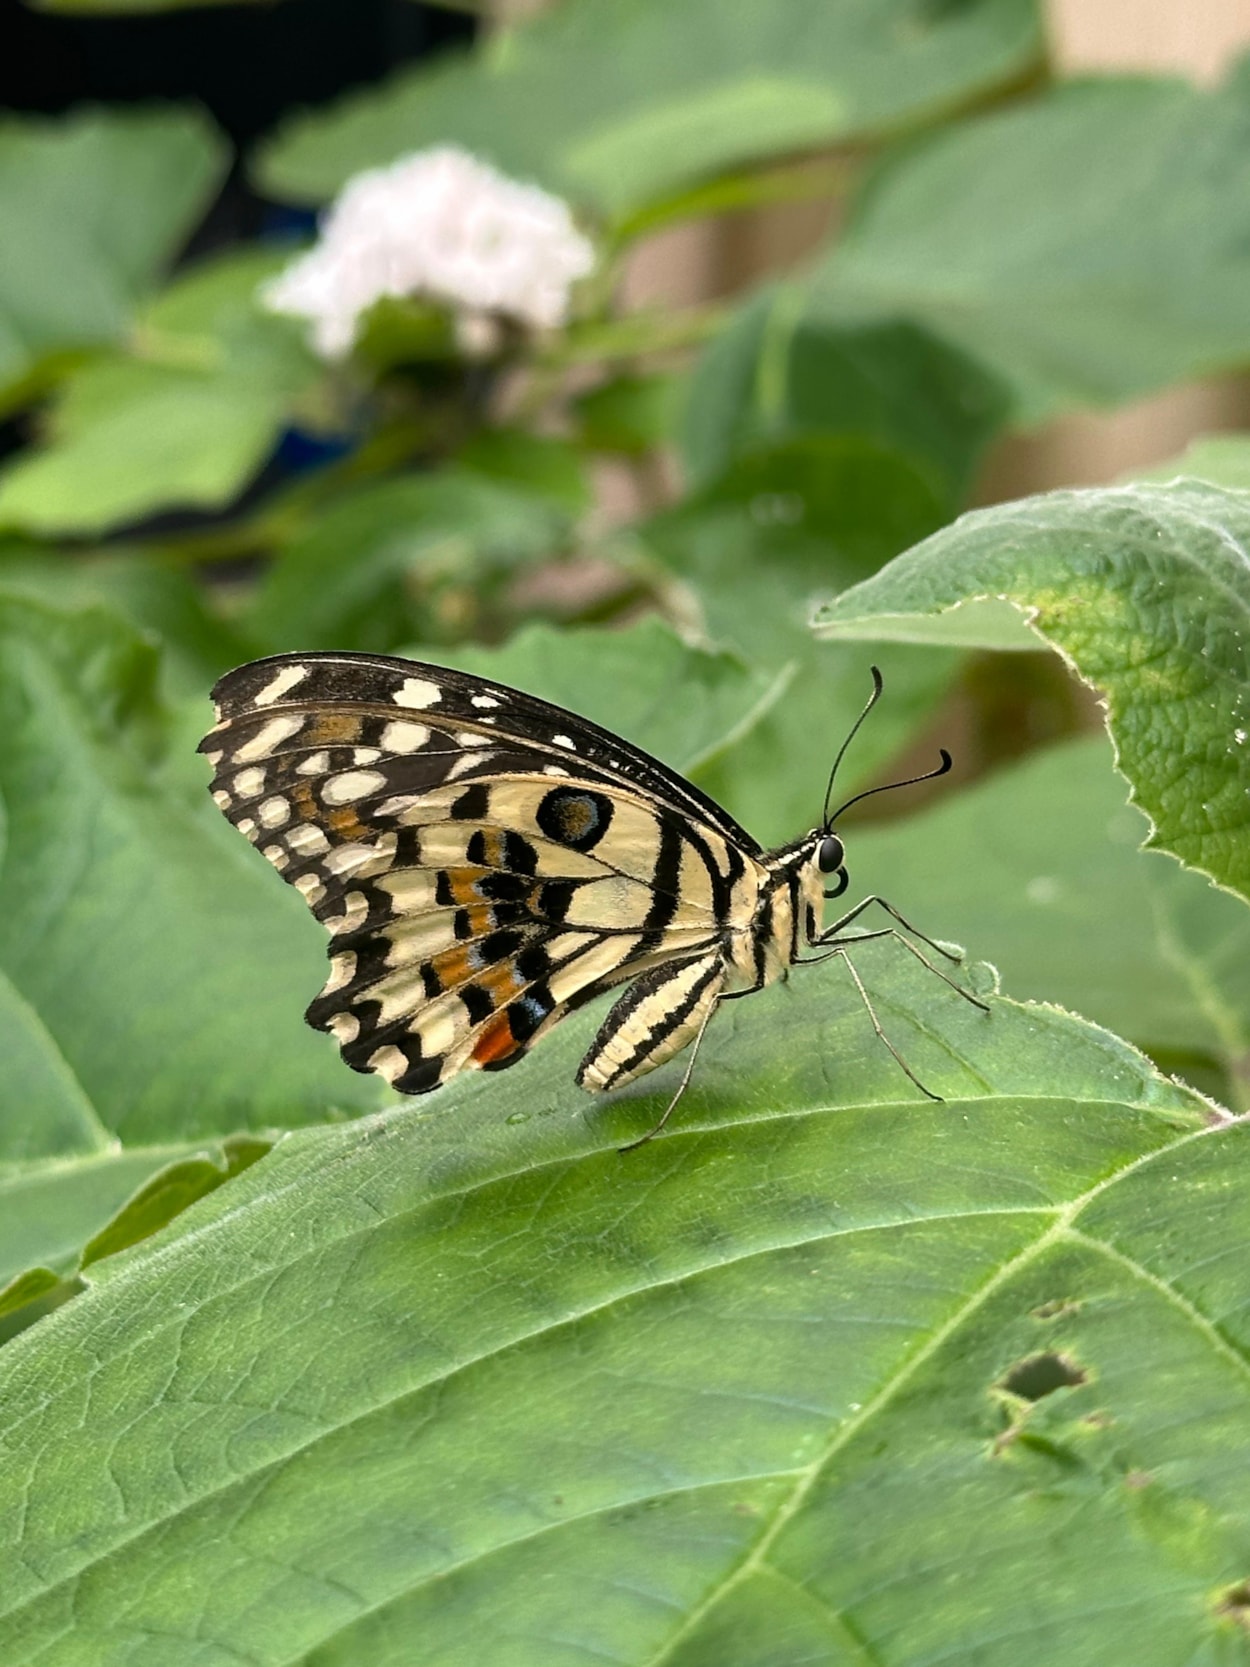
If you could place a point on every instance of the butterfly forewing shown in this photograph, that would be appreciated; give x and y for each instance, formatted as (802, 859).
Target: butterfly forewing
(484, 862)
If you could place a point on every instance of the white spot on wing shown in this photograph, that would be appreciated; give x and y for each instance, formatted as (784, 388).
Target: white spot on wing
(485, 702)
(389, 1063)
(248, 783)
(554, 770)
(417, 692)
(316, 764)
(466, 762)
(307, 840)
(275, 812)
(277, 856)
(286, 679)
(311, 888)
(404, 737)
(400, 804)
(565, 741)
(345, 789)
(342, 971)
(247, 828)
(346, 859)
(344, 1027)
(355, 913)
(268, 737)
(222, 800)
(471, 738)
(366, 755)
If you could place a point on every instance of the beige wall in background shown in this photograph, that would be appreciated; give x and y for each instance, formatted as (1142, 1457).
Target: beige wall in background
(1195, 38)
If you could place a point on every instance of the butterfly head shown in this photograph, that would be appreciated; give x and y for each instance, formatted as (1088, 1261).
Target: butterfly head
(822, 848)
(829, 855)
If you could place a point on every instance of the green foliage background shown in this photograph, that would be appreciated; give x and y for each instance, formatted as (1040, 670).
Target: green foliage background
(831, 1374)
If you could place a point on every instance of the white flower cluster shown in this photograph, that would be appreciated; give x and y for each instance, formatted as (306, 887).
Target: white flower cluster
(442, 225)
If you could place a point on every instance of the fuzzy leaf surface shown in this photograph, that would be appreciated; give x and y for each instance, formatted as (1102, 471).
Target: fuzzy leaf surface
(1145, 591)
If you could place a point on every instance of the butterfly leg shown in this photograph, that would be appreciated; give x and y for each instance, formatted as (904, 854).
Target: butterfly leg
(876, 1025)
(671, 1107)
(892, 932)
(831, 932)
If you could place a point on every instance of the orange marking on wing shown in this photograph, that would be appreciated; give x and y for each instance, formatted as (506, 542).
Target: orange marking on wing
(481, 919)
(306, 807)
(454, 966)
(501, 981)
(462, 884)
(347, 823)
(493, 840)
(329, 729)
(496, 1041)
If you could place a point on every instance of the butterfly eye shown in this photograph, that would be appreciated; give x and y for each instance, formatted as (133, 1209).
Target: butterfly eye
(829, 854)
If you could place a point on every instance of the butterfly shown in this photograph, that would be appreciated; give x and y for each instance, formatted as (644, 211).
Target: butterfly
(486, 862)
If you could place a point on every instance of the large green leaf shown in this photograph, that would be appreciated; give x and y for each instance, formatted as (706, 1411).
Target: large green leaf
(1067, 907)
(776, 373)
(686, 705)
(1087, 247)
(617, 104)
(154, 972)
(182, 420)
(92, 206)
(1145, 590)
(466, 1384)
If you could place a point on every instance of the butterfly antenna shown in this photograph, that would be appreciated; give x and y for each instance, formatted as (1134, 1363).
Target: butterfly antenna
(929, 775)
(877, 686)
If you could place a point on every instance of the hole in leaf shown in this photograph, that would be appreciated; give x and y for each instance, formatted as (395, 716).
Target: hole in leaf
(1041, 1374)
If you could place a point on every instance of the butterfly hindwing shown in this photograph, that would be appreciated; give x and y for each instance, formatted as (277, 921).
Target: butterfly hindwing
(484, 862)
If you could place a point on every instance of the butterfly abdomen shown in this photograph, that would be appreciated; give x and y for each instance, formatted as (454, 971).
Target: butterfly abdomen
(657, 1016)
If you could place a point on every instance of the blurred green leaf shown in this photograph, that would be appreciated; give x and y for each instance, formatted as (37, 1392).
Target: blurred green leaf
(758, 555)
(535, 463)
(96, 203)
(365, 572)
(632, 414)
(1067, 906)
(1087, 247)
(449, 1383)
(686, 705)
(616, 106)
(1223, 459)
(48, 1112)
(775, 375)
(160, 599)
(157, 970)
(184, 420)
(1145, 590)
